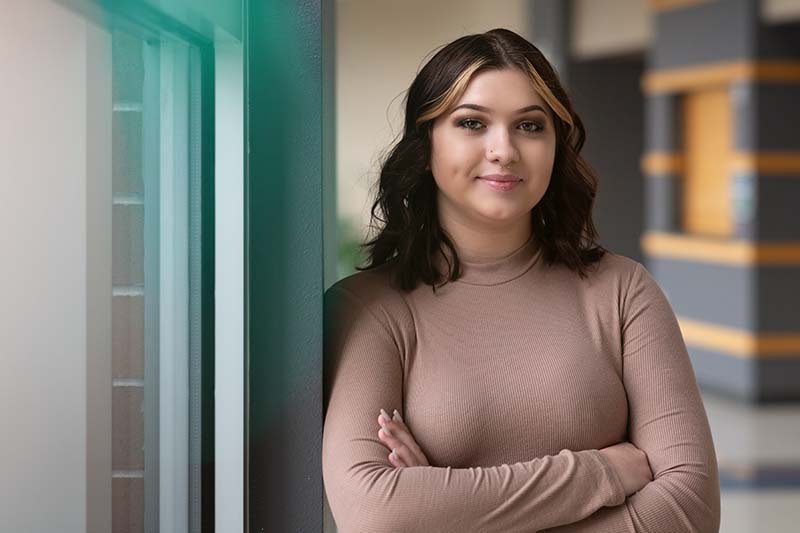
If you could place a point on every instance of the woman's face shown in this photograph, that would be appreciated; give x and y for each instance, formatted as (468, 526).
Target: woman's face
(492, 153)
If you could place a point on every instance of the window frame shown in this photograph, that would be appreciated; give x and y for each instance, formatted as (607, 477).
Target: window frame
(140, 18)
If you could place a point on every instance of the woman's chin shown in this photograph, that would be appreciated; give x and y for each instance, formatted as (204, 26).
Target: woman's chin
(502, 217)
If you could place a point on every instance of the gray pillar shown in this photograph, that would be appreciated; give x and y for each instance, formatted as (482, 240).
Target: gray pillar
(753, 298)
(285, 262)
(551, 25)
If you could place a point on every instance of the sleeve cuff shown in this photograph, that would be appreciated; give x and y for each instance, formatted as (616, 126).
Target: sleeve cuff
(609, 480)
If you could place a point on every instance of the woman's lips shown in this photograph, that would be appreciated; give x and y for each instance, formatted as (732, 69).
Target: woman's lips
(500, 182)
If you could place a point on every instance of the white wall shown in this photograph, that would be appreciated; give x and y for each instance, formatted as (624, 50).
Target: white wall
(610, 27)
(775, 11)
(43, 272)
(380, 46)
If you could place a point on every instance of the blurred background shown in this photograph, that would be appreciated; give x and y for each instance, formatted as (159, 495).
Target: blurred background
(162, 261)
(692, 115)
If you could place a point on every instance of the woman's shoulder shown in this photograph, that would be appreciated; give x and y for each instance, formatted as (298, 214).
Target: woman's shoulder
(617, 265)
(627, 279)
(614, 273)
(371, 288)
(368, 300)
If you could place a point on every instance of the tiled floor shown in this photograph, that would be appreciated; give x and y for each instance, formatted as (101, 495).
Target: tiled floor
(758, 451)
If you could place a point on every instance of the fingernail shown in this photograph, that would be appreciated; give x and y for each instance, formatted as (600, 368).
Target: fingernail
(385, 415)
(397, 416)
(394, 453)
(386, 430)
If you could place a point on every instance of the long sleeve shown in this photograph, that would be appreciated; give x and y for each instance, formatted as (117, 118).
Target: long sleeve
(667, 421)
(364, 373)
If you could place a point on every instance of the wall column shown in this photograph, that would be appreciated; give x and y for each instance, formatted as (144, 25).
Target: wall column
(722, 166)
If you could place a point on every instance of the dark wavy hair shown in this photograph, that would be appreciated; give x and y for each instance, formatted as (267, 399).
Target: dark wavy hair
(409, 231)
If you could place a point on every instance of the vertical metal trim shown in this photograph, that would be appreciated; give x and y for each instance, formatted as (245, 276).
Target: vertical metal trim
(247, 256)
(174, 293)
(195, 293)
(228, 266)
(208, 269)
(208, 306)
(150, 175)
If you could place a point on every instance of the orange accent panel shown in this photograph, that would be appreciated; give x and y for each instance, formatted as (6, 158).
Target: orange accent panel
(707, 138)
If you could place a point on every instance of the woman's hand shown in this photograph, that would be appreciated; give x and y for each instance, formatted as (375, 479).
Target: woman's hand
(629, 462)
(631, 466)
(397, 437)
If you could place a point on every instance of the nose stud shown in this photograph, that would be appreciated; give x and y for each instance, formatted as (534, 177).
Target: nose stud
(507, 166)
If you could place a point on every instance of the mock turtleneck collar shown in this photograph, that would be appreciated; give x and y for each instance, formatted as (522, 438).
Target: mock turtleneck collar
(494, 271)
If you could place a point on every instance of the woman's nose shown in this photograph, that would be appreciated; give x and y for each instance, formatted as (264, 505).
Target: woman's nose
(501, 149)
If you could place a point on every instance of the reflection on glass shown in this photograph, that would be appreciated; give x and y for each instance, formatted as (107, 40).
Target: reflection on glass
(156, 285)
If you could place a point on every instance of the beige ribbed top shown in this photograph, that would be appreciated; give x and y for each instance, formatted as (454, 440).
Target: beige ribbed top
(511, 379)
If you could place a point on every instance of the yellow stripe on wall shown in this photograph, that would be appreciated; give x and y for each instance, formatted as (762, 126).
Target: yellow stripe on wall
(719, 251)
(716, 74)
(662, 163)
(666, 5)
(768, 163)
(737, 342)
(757, 163)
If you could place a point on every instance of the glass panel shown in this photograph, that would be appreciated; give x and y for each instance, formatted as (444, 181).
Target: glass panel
(100, 337)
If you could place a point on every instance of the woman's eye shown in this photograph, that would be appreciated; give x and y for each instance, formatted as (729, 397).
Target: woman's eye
(474, 125)
(531, 127)
(470, 124)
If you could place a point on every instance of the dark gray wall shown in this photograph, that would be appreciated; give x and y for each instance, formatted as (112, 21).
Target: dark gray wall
(706, 32)
(609, 100)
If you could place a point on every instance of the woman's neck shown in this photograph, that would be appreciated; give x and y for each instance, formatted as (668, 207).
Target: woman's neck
(484, 244)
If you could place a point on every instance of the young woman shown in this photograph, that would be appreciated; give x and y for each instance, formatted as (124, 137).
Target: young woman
(536, 381)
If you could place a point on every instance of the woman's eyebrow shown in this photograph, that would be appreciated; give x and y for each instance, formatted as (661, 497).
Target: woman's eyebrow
(477, 107)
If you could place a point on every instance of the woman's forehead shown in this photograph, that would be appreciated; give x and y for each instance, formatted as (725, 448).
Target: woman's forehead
(501, 90)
